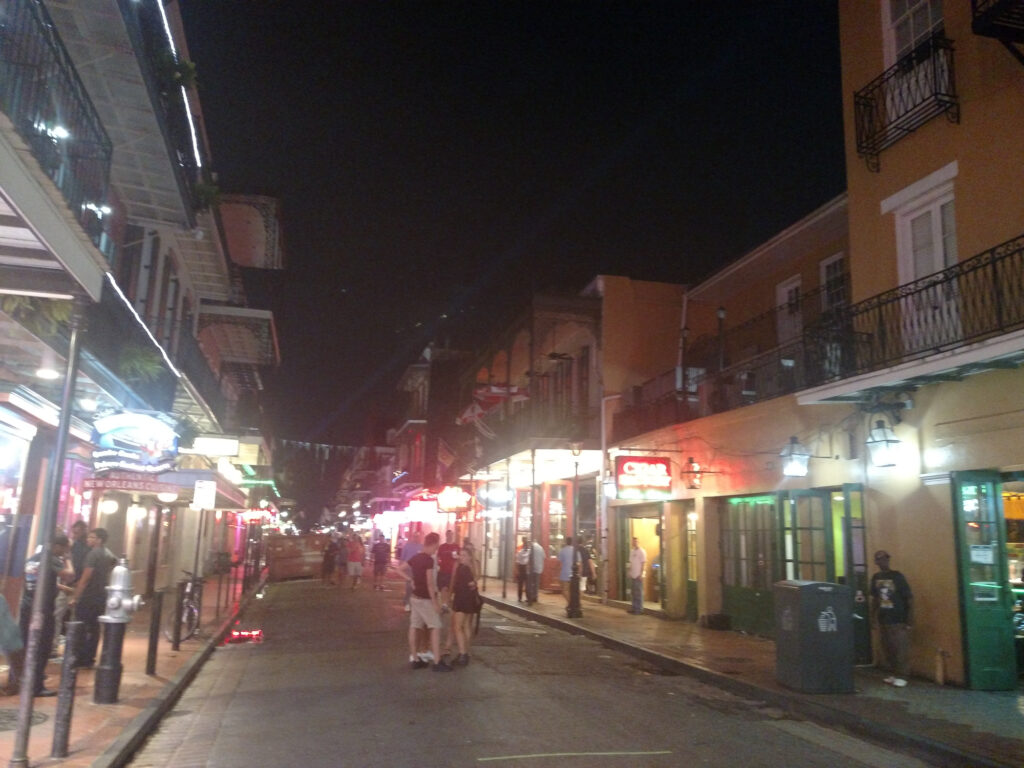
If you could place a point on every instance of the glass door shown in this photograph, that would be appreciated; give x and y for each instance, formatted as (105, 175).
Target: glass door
(984, 592)
(807, 537)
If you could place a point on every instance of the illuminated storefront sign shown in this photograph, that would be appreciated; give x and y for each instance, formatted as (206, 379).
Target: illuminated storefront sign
(137, 442)
(647, 478)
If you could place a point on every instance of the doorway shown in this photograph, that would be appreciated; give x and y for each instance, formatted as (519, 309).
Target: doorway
(988, 595)
(644, 523)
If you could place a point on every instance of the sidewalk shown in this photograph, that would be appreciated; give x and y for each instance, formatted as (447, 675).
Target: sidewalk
(105, 734)
(942, 724)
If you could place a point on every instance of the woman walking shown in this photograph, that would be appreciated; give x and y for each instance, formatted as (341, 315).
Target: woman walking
(464, 604)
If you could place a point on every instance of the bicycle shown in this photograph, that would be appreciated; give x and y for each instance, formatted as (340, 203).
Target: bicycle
(191, 606)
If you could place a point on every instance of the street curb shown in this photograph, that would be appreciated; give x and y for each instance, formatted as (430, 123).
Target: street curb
(138, 730)
(936, 752)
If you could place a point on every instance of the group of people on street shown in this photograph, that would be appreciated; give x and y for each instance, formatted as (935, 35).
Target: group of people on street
(441, 581)
(350, 552)
(530, 560)
(75, 589)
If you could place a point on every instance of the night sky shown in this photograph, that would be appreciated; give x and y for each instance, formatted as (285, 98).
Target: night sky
(438, 162)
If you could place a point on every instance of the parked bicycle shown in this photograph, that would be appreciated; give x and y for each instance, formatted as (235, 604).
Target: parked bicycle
(191, 607)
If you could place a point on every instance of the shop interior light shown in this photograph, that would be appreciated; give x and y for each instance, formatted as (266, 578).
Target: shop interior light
(167, 496)
(109, 506)
(881, 444)
(795, 458)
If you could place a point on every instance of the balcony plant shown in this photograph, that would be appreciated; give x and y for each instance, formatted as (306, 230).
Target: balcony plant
(205, 196)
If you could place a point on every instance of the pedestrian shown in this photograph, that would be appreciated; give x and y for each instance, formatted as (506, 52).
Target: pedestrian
(892, 607)
(536, 569)
(566, 558)
(330, 561)
(90, 596)
(522, 564)
(447, 559)
(637, 566)
(399, 545)
(411, 549)
(425, 603)
(587, 567)
(381, 552)
(60, 569)
(356, 555)
(464, 604)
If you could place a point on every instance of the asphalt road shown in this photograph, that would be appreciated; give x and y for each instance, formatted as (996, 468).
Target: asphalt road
(330, 685)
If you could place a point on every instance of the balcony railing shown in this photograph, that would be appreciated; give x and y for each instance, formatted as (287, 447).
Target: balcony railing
(918, 87)
(971, 302)
(43, 96)
(145, 27)
(1002, 20)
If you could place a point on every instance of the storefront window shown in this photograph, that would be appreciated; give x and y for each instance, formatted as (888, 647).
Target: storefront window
(748, 542)
(556, 519)
(524, 520)
(13, 451)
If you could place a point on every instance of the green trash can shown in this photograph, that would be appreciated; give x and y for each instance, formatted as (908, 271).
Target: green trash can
(814, 636)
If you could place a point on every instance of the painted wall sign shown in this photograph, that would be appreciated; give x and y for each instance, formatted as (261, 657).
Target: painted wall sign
(643, 477)
(137, 442)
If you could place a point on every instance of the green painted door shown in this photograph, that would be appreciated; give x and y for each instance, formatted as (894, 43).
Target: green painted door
(807, 536)
(750, 562)
(691, 564)
(984, 592)
(853, 569)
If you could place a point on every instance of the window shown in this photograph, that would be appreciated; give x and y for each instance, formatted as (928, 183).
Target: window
(789, 321)
(749, 533)
(911, 23)
(833, 282)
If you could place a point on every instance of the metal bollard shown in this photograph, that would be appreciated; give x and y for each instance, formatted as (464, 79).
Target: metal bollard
(156, 605)
(179, 606)
(121, 604)
(574, 610)
(66, 691)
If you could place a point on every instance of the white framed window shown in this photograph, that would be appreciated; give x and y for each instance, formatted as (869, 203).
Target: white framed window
(907, 24)
(788, 317)
(926, 234)
(832, 274)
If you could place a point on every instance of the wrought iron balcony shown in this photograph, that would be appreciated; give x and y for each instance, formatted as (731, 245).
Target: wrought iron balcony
(193, 364)
(971, 302)
(918, 87)
(1002, 20)
(40, 91)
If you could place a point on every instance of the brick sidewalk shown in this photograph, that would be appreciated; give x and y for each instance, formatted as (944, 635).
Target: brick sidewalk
(102, 733)
(943, 724)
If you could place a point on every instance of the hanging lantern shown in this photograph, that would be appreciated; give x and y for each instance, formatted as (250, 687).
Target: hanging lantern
(881, 443)
(795, 457)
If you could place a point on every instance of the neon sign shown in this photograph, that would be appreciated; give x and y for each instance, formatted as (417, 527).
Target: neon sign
(137, 442)
(646, 478)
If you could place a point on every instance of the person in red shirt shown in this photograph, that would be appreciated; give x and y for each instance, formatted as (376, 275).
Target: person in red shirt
(356, 554)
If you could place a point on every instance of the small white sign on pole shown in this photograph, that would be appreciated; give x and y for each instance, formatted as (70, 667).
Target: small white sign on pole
(204, 496)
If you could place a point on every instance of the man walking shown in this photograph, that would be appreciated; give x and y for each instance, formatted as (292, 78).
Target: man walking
(425, 603)
(90, 596)
(356, 555)
(536, 569)
(381, 552)
(522, 567)
(637, 566)
(892, 611)
(411, 548)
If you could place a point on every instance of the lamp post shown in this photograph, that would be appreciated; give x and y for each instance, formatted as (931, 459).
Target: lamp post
(602, 523)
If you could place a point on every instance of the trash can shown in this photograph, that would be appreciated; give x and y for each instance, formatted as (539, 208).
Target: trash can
(814, 636)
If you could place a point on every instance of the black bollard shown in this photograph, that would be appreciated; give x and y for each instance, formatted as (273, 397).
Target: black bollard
(108, 673)
(574, 610)
(156, 604)
(179, 606)
(66, 691)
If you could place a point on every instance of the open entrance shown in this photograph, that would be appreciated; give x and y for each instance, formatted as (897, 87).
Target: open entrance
(643, 522)
(989, 517)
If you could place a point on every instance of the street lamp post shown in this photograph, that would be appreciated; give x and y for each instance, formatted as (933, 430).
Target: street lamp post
(602, 524)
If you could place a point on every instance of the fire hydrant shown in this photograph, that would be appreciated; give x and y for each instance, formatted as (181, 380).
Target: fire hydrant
(121, 604)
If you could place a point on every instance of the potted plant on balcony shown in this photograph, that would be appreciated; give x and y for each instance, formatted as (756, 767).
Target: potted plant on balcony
(139, 364)
(205, 196)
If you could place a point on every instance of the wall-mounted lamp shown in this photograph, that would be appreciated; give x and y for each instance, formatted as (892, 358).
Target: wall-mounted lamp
(882, 443)
(795, 457)
(576, 447)
(47, 369)
(692, 473)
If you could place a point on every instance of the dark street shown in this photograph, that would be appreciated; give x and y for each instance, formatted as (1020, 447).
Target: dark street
(330, 685)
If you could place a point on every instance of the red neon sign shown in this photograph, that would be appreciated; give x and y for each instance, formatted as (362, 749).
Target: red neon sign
(643, 477)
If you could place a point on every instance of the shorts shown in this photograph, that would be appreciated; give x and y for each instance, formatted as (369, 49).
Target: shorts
(355, 569)
(444, 580)
(379, 569)
(423, 614)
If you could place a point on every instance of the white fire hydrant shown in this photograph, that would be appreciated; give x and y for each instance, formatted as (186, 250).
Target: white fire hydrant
(121, 604)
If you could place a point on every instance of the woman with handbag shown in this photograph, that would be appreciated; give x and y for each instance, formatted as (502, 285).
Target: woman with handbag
(466, 602)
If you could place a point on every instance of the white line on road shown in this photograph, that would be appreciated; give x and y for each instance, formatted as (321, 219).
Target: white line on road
(855, 749)
(572, 754)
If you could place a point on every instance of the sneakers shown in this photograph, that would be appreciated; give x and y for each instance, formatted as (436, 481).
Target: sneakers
(462, 660)
(408, 608)
(896, 682)
(442, 666)
(419, 664)
(427, 656)
(888, 680)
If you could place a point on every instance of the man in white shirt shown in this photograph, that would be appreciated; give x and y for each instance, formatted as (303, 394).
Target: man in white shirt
(537, 559)
(637, 564)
